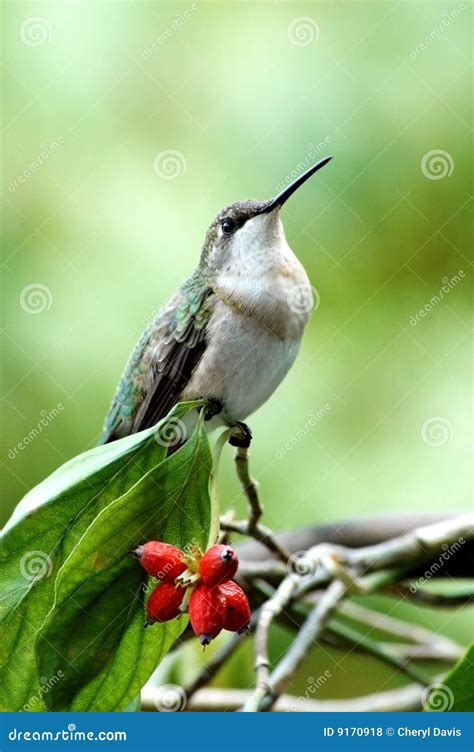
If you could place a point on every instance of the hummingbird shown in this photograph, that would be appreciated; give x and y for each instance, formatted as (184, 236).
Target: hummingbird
(230, 333)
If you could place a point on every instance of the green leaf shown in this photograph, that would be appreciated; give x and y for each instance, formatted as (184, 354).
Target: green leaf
(43, 531)
(456, 691)
(94, 633)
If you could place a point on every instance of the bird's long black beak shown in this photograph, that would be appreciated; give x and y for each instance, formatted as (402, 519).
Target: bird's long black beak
(285, 194)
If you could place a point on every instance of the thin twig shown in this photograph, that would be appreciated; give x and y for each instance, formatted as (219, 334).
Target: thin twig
(381, 564)
(307, 636)
(269, 686)
(429, 598)
(431, 646)
(251, 527)
(359, 532)
(386, 623)
(217, 699)
(268, 612)
(249, 486)
(407, 551)
(430, 641)
(260, 533)
(381, 650)
(441, 652)
(415, 547)
(268, 570)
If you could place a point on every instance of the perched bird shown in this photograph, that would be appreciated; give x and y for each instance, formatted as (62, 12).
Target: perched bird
(230, 333)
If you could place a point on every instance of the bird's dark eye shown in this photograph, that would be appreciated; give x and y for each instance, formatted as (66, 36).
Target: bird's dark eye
(228, 226)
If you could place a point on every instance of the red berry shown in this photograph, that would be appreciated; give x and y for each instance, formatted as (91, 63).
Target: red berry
(206, 613)
(164, 602)
(237, 618)
(218, 564)
(161, 560)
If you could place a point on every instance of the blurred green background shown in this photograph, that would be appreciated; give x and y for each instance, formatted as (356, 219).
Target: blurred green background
(101, 223)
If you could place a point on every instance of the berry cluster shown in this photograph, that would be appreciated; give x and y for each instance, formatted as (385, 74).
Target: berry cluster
(199, 582)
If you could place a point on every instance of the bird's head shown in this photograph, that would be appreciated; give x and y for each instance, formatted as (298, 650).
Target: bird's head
(242, 236)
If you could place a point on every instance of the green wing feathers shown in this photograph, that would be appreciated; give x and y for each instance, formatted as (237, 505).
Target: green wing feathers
(162, 362)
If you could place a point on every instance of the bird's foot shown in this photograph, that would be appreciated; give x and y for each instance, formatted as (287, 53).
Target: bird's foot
(242, 436)
(212, 408)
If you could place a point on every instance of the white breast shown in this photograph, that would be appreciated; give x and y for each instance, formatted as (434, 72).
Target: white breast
(255, 330)
(242, 365)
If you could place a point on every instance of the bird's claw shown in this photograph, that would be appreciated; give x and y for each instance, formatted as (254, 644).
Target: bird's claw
(212, 408)
(242, 437)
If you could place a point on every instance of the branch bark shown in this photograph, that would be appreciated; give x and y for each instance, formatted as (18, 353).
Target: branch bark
(355, 557)
(359, 571)
(356, 534)
(215, 700)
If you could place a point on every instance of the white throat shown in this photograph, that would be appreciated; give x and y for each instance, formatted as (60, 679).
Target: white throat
(260, 275)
